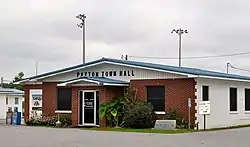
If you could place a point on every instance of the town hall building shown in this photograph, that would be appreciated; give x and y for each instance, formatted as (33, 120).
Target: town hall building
(80, 89)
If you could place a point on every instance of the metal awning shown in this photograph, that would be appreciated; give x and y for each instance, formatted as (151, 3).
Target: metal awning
(96, 80)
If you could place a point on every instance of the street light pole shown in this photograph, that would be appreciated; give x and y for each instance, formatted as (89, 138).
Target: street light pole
(36, 67)
(180, 50)
(228, 65)
(82, 26)
(179, 32)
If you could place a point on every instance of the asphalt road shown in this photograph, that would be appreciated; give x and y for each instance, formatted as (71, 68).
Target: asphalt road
(49, 137)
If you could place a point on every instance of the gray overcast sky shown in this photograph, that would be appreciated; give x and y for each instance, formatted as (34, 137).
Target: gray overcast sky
(46, 31)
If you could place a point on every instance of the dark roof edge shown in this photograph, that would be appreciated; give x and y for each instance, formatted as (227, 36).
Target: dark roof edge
(62, 70)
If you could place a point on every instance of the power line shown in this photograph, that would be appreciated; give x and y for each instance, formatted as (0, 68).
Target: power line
(193, 57)
(238, 68)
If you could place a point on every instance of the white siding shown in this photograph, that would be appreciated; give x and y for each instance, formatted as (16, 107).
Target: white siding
(220, 115)
(11, 103)
(2, 106)
(139, 73)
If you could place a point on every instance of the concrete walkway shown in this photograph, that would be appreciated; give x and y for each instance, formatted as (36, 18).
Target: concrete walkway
(21, 136)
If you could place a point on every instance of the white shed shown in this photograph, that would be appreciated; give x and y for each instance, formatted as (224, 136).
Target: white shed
(10, 98)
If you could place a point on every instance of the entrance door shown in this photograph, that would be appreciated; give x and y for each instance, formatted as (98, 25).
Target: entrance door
(87, 108)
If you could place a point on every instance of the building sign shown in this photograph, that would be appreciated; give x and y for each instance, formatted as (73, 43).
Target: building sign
(89, 103)
(37, 102)
(123, 73)
(204, 107)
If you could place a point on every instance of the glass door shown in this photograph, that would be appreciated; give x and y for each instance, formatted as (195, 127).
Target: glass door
(89, 109)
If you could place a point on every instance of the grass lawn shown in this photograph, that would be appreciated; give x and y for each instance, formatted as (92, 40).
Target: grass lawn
(177, 131)
(140, 130)
(162, 131)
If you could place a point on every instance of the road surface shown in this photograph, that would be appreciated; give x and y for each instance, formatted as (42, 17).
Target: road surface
(22, 136)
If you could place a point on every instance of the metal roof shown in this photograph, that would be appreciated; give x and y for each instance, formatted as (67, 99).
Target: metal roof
(10, 91)
(184, 70)
(106, 80)
(97, 80)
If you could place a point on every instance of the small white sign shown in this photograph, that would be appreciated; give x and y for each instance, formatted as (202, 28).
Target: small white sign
(204, 107)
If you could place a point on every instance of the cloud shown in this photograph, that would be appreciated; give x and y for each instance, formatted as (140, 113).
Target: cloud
(46, 31)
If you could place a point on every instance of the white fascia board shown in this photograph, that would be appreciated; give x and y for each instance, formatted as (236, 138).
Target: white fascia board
(78, 80)
(91, 81)
(193, 76)
(15, 94)
(89, 85)
(65, 83)
(12, 93)
(69, 70)
(110, 84)
(29, 82)
(62, 84)
(220, 78)
(19, 82)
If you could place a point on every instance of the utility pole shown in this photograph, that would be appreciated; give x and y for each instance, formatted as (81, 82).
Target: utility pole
(124, 57)
(36, 67)
(82, 26)
(179, 32)
(228, 65)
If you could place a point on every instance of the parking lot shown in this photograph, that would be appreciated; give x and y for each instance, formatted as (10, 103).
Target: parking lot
(21, 136)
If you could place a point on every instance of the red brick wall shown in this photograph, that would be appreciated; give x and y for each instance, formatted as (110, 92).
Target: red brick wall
(105, 94)
(112, 92)
(49, 98)
(27, 100)
(177, 92)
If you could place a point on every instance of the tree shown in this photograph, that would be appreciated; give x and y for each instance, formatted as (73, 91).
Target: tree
(11, 84)
(18, 77)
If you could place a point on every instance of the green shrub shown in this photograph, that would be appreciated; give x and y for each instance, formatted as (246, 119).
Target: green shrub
(139, 115)
(65, 119)
(112, 111)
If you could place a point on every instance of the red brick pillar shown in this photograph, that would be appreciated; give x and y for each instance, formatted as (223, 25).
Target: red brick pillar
(26, 102)
(27, 98)
(74, 106)
(49, 98)
(102, 100)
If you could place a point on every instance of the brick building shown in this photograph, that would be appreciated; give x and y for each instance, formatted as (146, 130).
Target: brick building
(80, 89)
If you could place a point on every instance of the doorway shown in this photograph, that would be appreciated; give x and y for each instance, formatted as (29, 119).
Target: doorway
(88, 108)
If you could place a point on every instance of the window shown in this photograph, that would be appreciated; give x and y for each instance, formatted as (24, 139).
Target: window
(64, 99)
(16, 101)
(7, 101)
(156, 96)
(247, 99)
(205, 93)
(233, 99)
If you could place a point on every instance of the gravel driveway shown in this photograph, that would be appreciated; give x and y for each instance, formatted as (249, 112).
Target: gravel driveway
(21, 136)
